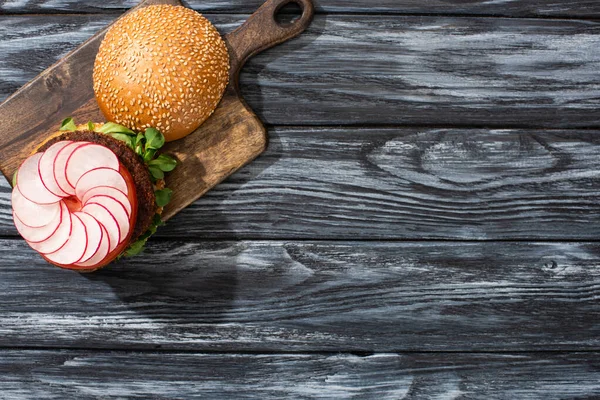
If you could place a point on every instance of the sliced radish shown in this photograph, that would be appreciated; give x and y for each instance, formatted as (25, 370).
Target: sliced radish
(46, 167)
(75, 247)
(110, 192)
(94, 235)
(32, 214)
(107, 220)
(102, 252)
(30, 183)
(117, 210)
(59, 238)
(87, 158)
(36, 235)
(60, 165)
(100, 177)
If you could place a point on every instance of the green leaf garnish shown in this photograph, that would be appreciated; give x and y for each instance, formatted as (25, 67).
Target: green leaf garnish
(149, 156)
(156, 172)
(111, 127)
(68, 124)
(163, 197)
(139, 246)
(164, 162)
(14, 179)
(139, 139)
(91, 126)
(156, 222)
(154, 139)
(135, 248)
(129, 140)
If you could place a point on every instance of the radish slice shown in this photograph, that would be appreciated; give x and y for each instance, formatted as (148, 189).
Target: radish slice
(46, 167)
(87, 158)
(108, 220)
(110, 192)
(59, 238)
(60, 165)
(94, 235)
(30, 183)
(36, 235)
(32, 214)
(100, 177)
(117, 210)
(75, 247)
(102, 252)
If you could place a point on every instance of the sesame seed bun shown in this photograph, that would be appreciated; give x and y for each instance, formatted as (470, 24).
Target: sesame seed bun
(161, 66)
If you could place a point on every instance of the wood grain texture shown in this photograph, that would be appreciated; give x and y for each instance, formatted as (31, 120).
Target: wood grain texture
(288, 296)
(92, 375)
(310, 296)
(513, 8)
(408, 184)
(385, 69)
(474, 184)
(230, 138)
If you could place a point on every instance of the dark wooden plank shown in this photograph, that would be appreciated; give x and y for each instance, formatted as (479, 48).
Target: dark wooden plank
(310, 296)
(29, 45)
(402, 184)
(514, 8)
(91, 375)
(383, 70)
(408, 184)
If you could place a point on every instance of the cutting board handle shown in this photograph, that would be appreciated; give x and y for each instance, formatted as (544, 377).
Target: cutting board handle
(262, 31)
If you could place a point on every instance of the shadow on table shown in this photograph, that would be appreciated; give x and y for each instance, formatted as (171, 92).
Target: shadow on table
(176, 282)
(187, 281)
(251, 74)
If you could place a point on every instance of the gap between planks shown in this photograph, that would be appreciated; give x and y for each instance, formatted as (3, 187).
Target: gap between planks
(160, 350)
(170, 239)
(368, 126)
(119, 11)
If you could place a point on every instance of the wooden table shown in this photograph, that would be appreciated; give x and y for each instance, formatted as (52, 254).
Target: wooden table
(424, 224)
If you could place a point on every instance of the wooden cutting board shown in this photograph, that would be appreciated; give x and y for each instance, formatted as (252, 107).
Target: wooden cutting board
(230, 138)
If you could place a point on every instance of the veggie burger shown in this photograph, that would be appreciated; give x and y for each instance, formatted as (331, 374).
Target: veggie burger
(92, 193)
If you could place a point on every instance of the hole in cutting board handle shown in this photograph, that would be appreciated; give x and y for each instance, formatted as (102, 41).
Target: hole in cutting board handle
(288, 13)
(262, 31)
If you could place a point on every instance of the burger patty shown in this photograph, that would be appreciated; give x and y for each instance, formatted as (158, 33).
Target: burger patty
(135, 165)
